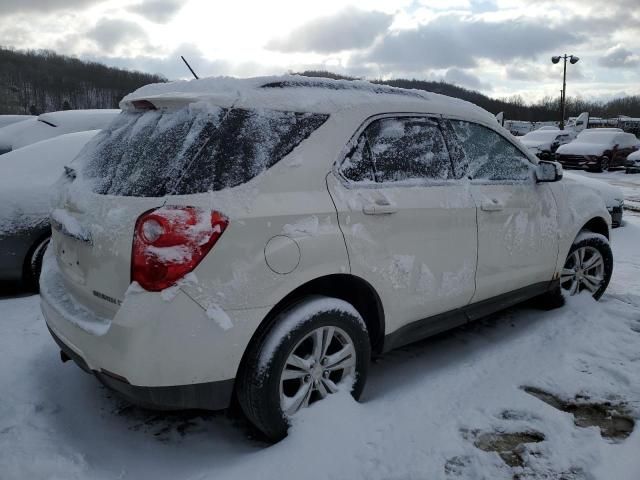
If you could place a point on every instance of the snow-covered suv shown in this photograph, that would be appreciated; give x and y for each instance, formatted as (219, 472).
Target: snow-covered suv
(598, 149)
(263, 237)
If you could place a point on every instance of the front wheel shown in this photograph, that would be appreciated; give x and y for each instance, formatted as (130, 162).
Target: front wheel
(315, 348)
(589, 265)
(33, 264)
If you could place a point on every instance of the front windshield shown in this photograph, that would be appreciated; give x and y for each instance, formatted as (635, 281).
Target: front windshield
(600, 138)
(547, 135)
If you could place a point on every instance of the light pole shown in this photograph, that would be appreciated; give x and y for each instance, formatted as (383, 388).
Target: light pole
(573, 60)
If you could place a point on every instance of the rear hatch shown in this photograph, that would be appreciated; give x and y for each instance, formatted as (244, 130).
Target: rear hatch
(151, 158)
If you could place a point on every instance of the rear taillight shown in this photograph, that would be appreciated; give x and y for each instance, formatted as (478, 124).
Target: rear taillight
(170, 242)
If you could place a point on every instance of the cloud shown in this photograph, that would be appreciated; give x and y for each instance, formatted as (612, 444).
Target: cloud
(454, 41)
(43, 6)
(159, 11)
(465, 79)
(619, 57)
(172, 67)
(108, 34)
(348, 29)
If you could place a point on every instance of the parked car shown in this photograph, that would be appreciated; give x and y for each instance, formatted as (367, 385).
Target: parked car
(632, 164)
(28, 175)
(598, 149)
(544, 142)
(53, 124)
(612, 196)
(10, 119)
(262, 237)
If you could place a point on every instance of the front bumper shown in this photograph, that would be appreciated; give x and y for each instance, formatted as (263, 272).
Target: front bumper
(578, 161)
(632, 166)
(157, 353)
(616, 215)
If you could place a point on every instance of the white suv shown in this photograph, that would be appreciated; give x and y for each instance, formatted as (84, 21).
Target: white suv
(263, 237)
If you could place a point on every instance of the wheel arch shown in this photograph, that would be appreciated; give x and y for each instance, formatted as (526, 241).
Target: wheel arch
(596, 225)
(36, 239)
(350, 288)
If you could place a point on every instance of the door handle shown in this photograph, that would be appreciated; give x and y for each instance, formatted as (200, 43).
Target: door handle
(379, 209)
(492, 205)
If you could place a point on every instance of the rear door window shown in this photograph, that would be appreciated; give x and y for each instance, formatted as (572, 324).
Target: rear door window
(193, 150)
(399, 149)
(479, 153)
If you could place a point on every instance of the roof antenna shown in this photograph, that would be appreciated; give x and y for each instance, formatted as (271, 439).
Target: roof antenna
(189, 67)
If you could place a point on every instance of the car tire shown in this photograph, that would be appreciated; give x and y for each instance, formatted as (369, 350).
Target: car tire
(589, 265)
(603, 164)
(33, 264)
(299, 333)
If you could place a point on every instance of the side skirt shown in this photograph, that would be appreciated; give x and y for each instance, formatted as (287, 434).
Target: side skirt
(428, 327)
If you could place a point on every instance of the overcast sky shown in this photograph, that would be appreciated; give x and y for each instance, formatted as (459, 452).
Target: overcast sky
(500, 47)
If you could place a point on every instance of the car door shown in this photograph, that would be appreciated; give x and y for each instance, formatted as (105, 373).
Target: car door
(517, 217)
(410, 228)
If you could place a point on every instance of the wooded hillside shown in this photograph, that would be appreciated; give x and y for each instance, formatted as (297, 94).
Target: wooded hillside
(516, 107)
(42, 81)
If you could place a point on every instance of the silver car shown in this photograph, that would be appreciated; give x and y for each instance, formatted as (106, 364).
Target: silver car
(25, 195)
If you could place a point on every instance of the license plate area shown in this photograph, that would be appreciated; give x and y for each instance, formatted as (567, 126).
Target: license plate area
(69, 263)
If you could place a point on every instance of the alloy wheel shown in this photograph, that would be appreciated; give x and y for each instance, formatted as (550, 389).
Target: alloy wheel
(584, 269)
(315, 367)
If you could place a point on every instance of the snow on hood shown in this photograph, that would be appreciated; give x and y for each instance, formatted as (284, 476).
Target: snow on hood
(537, 144)
(310, 94)
(582, 148)
(29, 174)
(10, 119)
(53, 124)
(634, 156)
(611, 194)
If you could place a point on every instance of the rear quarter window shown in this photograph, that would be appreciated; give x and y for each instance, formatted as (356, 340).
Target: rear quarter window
(193, 150)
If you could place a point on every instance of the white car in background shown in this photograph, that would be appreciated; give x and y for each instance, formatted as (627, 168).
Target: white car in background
(260, 238)
(632, 164)
(598, 149)
(544, 142)
(53, 124)
(10, 119)
(612, 196)
(26, 189)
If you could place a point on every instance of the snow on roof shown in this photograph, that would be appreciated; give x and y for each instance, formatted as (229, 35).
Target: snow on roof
(87, 119)
(299, 93)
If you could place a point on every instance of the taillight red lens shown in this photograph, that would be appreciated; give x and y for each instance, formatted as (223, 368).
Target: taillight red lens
(169, 242)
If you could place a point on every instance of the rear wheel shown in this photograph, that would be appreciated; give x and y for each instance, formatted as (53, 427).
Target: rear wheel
(33, 264)
(604, 164)
(315, 348)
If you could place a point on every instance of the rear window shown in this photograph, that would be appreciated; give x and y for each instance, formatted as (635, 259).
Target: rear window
(193, 150)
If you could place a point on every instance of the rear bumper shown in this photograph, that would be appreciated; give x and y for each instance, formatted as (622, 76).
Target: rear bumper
(164, 354)
(205, 396)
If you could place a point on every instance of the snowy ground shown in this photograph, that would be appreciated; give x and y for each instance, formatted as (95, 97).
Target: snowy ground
(426, 410)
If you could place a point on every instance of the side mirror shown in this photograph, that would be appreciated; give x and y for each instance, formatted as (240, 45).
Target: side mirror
(548, 171)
